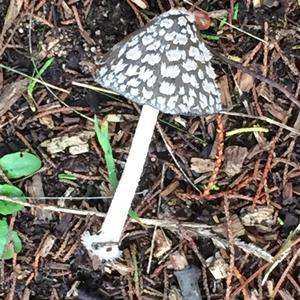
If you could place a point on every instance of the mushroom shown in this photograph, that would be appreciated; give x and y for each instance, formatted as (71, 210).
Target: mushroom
(164, 67)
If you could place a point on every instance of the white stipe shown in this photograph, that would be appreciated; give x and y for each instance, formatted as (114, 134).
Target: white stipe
(104, 245)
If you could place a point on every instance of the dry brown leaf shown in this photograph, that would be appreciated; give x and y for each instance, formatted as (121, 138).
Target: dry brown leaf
(175, 294)
(246, 82)
(47, 121)
(178, 261)
(11, 15)
(162, 243)
(12, 93)
(67, 10)
(234, 159)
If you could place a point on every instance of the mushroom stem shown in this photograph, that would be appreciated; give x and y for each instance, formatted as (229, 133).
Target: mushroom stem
(105, 244)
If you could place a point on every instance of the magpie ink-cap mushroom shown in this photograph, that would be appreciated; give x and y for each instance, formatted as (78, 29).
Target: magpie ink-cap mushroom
(164, 66)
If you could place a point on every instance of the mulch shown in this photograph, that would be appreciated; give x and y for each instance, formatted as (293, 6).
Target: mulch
(237, 238)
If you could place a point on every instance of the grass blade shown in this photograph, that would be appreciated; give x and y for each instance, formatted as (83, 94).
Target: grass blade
(37, 75)
(103, 139)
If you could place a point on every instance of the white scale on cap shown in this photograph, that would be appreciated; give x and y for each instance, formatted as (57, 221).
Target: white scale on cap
(175, 60)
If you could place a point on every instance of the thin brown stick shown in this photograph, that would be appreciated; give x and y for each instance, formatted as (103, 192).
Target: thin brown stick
(260, 77)
(231, 249)
(266, 172)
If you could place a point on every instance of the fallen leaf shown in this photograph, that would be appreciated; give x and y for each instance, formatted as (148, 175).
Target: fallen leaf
(234, 159)
(12, 93)
(47, 121)
(256, 3)
(12, 13)
(246, 82)
(162, 243)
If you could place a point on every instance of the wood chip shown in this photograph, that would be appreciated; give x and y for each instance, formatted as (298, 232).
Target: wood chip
(201, 165)
(276, 111)
(35, 189)
(77, 143)
(162, 243)
(261, 215)
(217, 266)
(225, 94)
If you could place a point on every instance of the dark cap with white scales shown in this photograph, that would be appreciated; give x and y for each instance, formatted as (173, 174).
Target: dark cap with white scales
(165, 65)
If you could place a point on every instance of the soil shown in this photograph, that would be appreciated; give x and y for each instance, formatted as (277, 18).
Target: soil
(253, 174)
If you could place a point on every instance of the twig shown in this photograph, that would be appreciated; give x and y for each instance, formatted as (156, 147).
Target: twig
(231, 249)
(165, 139)
(260, 77)
(265, 119)
(284, 274)
(267, 168)
(219, 155)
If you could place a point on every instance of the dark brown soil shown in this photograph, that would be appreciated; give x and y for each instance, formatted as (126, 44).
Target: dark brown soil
(258, 170)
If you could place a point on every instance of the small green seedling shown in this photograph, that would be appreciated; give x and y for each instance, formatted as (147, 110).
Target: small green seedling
(14, 166)
(210, 37)
(8, 248)
(37, 74)
(64, 176)
(103, 139)
(215, 188)
(223, 22)
(280, 221)
(19, 164)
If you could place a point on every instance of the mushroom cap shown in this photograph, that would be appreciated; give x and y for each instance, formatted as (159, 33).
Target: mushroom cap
(166, 65)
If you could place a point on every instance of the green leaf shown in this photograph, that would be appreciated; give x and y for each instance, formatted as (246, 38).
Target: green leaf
(15, 245)
(8, 208)
(103, 139)
(19, 164)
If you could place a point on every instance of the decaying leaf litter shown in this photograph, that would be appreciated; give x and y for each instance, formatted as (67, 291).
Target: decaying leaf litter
(242, 236)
